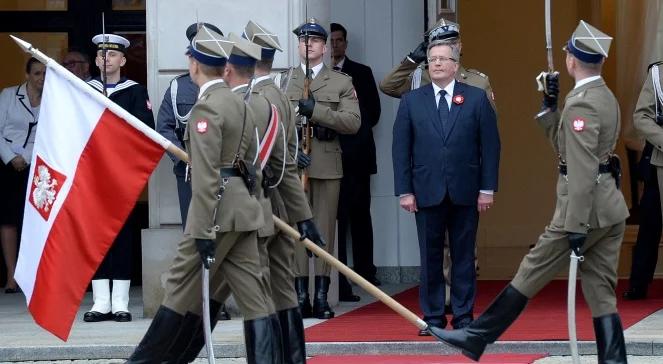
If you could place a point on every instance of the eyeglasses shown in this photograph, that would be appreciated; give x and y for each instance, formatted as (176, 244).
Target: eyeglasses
(440, 59)
(72, 63)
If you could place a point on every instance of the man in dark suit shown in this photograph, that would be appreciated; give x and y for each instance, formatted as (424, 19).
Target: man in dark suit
(354, 207)
(446, 151)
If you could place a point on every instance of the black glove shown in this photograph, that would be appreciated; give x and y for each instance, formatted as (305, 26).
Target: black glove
(303, 160)
(308, 230)
(576, 240)
(551, 93)
(206, 249)
(306, 107)
(418, 55)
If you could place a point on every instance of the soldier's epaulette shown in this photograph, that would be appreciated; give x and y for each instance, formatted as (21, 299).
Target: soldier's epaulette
(476, 72)
(654, 64)
(341, 72)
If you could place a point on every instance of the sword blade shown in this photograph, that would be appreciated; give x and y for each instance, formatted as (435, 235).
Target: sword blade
(548, 16)
(207, 327)
(571, 307)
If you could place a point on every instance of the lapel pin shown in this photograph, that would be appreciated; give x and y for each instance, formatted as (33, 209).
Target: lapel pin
(458, 99)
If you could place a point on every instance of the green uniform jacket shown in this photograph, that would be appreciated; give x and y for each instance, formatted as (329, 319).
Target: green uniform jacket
(337, 108)
(290, 190)
(212, 136)
(399, 80)
(644, 120)
(584, 135)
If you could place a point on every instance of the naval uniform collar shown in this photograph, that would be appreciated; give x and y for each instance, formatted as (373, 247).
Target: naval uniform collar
(207, 85)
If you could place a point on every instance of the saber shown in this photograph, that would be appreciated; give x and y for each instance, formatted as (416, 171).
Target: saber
(571, 305)
(207, 327)
(551, 68)
(542, 77)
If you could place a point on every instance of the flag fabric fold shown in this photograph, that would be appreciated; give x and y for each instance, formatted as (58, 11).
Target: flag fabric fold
(88, 168)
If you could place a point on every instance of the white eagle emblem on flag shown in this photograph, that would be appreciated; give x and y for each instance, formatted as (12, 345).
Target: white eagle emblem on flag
(46, 184)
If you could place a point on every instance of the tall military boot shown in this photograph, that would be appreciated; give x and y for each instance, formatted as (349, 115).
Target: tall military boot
(472, 340)
(321, 307)
(301, 286)
(120, 300)
(189, 325)
(277, 338)
(101, 308)
(158, 338)
(259, 340)
(610, 339)
(190, 341)
(292, 335)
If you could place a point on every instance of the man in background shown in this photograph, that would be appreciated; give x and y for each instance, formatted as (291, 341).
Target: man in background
(77, 63)
(358, 156)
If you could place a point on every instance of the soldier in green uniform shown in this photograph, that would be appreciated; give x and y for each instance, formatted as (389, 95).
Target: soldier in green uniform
(411, 72)
(287, 197)
(590, 213)
(332, 108)
(647, 117)
(279, 178)
(224, 214)
(279, 192)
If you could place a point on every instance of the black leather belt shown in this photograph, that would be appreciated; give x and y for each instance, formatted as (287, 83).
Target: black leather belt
(603, 168)
(229, 172)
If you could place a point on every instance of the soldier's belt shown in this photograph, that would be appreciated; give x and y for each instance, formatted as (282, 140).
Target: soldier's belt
(603, 168)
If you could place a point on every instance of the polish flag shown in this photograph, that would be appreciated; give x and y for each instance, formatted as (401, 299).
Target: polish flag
(91, 161)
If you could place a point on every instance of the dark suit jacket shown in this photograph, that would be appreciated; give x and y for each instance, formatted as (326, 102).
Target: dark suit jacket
(430, 164)
(359, 149)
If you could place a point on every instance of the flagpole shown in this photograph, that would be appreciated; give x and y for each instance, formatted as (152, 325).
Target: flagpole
(115, 108)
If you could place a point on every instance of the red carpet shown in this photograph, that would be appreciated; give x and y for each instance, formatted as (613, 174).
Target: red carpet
(543, 319)
(424, 359)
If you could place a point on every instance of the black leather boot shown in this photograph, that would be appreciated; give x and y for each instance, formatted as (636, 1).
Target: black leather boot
(278, 339)
(472, 340)
(321, 307)
(158, 338)
(259, 339)
(301, 286)
(292, 335)
(189, 343)
(610, 339)
(189, 325)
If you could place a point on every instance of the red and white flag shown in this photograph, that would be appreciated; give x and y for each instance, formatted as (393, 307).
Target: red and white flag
(88, 168)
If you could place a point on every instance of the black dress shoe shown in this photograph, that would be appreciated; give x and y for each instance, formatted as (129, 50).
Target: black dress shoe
(633, 294)
(349, 297)
(12, 290)
(94, 316)
(462, 324)
(122, 316)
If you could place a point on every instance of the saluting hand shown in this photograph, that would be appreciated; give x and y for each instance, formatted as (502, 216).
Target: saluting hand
(484, 202)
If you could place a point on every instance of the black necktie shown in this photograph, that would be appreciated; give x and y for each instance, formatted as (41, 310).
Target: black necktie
(443, 110)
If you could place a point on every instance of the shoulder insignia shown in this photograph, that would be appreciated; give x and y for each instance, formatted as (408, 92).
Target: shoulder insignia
(476, 72)
(654, 64)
